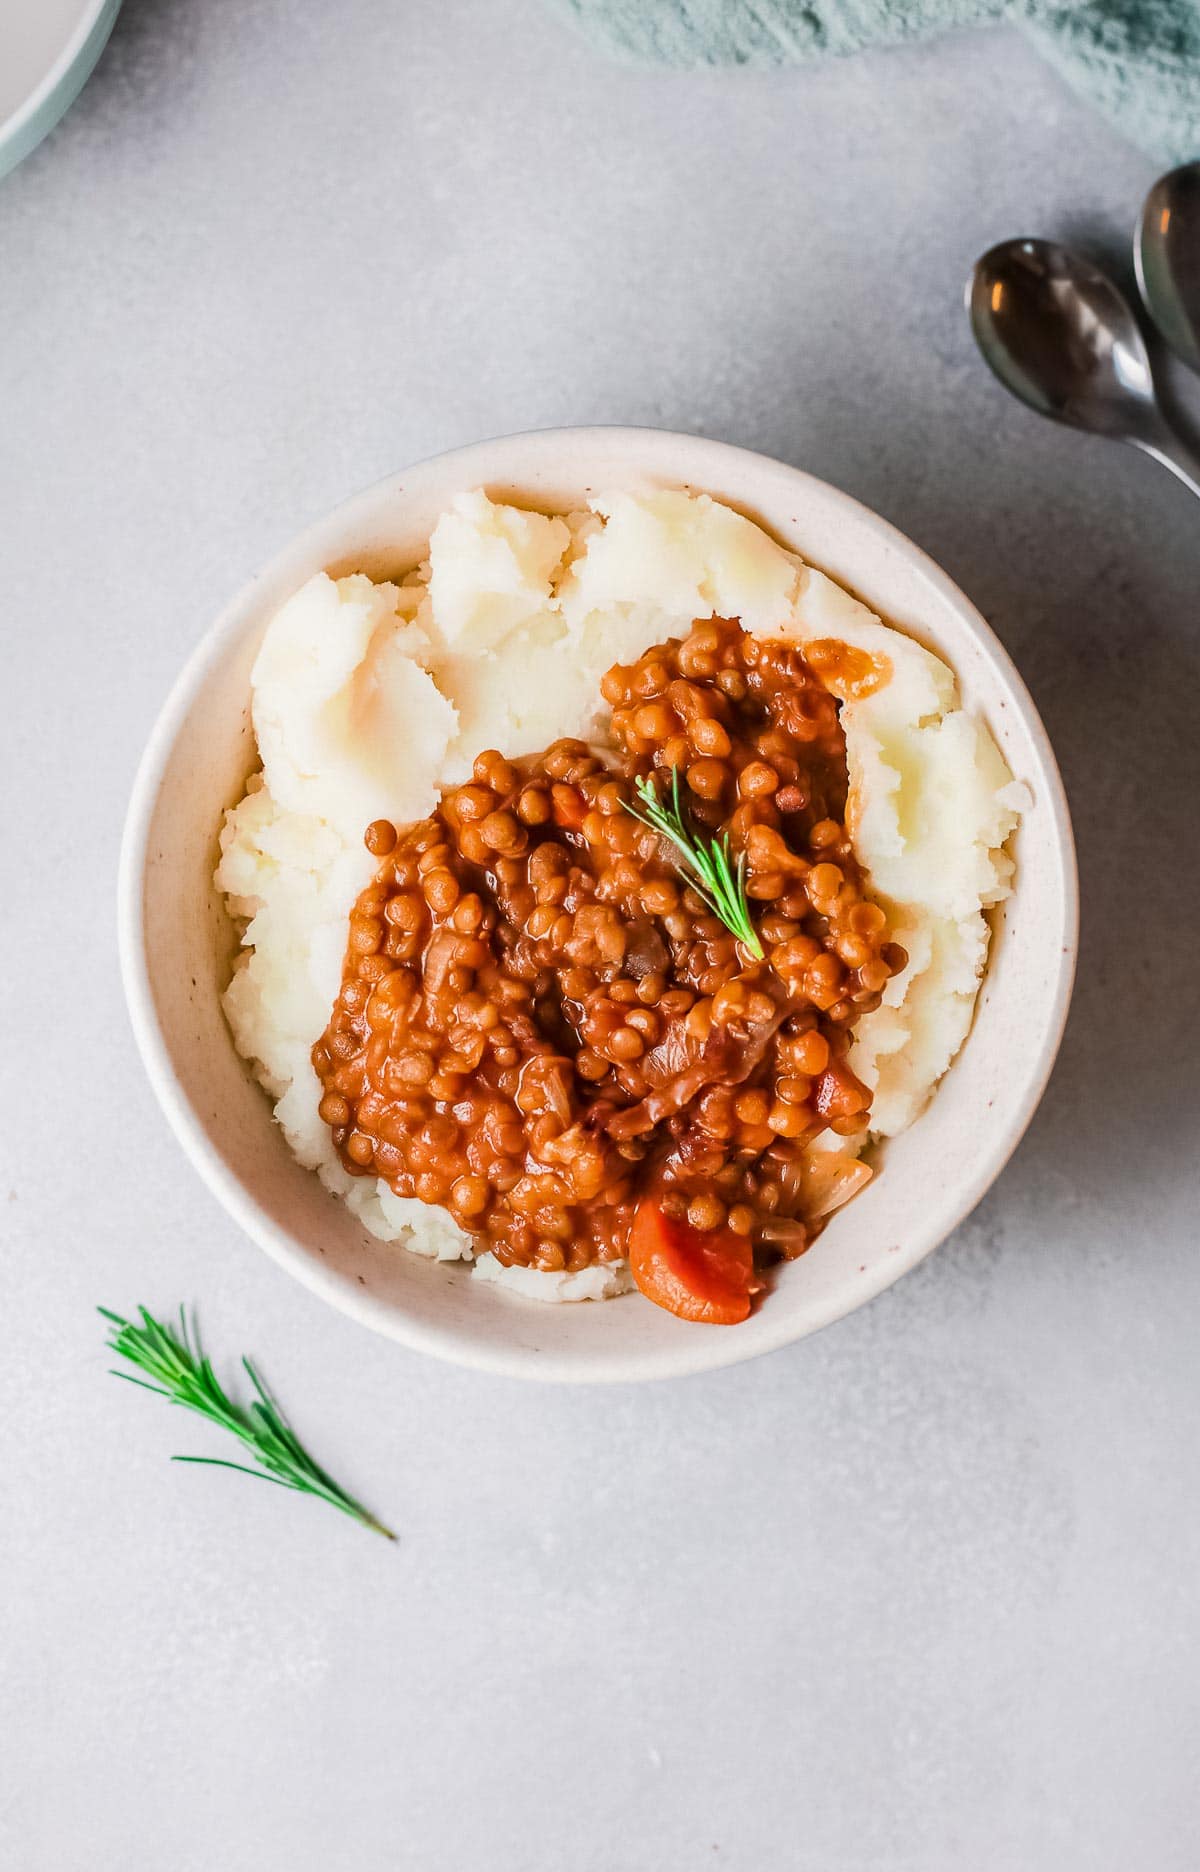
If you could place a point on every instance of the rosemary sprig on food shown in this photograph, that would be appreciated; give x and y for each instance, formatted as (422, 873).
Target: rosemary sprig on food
(184, 1376)
(704, 862)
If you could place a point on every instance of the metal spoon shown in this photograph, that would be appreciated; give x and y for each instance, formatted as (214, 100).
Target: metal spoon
(1058, 334)
(1166, 253)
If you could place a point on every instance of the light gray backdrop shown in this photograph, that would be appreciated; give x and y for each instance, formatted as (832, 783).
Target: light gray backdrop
(920, 1594)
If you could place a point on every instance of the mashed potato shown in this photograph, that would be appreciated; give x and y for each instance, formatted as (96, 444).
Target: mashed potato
(369, 699)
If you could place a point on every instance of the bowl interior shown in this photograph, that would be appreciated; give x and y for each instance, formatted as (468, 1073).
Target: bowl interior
(177, 942)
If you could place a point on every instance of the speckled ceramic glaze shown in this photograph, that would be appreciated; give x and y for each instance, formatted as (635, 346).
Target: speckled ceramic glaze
(177, 943)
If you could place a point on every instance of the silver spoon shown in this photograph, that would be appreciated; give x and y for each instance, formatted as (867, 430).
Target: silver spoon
(1058, 334)
(1166, 253)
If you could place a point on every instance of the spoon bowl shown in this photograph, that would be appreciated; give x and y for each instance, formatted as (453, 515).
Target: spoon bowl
(1060, 336)
(1166, 252)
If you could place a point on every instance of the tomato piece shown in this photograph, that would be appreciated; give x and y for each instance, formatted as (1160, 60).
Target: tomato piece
(697, 1274)
(839, 1094)
(568, 806)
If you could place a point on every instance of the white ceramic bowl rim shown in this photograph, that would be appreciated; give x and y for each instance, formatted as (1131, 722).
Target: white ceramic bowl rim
(696, 1349)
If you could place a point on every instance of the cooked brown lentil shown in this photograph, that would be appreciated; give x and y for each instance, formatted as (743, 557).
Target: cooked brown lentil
(540, 1023)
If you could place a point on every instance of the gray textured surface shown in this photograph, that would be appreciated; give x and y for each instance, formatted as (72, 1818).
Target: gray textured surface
(918, 1594)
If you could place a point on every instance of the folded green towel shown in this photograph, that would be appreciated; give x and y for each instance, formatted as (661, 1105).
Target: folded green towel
(1139, 60)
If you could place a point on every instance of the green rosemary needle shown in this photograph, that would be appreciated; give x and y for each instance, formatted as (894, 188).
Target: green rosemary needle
(181, 1374)
(705, 863)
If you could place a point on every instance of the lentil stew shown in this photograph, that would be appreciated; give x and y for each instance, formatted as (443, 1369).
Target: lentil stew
(543, 1027)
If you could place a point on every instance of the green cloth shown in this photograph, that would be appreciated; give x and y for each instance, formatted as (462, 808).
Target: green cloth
(1138, 60)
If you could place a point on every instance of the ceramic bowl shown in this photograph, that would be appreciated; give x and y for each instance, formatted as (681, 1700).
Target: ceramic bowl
(177, 943)
(48, 49)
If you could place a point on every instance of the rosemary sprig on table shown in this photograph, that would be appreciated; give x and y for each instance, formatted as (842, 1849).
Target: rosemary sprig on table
(705, 863)
(184, 1376)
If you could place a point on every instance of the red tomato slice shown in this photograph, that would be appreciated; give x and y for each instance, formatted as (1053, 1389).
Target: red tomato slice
(697, 1274)
(568, 806)
(839, 1094)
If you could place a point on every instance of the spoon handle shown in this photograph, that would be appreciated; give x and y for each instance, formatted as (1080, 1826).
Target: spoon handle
(1170, 451)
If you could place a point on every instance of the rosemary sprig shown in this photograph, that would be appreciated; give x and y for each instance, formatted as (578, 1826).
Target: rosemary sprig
(184, 1376)
(705, 863)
